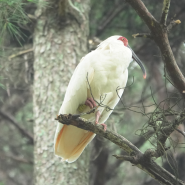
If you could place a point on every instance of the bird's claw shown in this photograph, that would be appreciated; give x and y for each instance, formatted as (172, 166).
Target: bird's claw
(90, 102)
(103, 124)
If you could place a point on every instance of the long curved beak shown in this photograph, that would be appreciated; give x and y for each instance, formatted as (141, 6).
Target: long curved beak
(134, 56)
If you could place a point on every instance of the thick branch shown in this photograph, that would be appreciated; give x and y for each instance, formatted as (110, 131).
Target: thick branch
(133, 153)
(166, 6)
(143, 12)
(160, 36)
(19, 128)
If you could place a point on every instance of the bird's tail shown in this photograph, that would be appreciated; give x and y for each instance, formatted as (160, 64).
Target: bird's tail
(70, 142)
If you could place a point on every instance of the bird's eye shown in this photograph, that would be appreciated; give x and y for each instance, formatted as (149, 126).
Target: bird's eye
(122, 38)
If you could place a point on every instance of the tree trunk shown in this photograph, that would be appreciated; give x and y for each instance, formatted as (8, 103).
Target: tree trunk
(60, 40)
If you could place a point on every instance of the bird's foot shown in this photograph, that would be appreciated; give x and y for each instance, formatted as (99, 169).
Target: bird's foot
(90, 102)
(97, 119)
(104, 126)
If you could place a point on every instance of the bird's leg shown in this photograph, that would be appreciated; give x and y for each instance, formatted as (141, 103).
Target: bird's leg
(90, 102)
(97, 119)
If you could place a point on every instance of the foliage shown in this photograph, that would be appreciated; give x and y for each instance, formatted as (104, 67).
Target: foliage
(12, 15)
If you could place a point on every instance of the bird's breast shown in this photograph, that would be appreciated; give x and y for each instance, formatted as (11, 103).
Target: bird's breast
(107, 80)
(109, 68)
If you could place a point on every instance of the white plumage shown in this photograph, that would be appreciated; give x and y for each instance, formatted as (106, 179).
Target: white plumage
(106, 68)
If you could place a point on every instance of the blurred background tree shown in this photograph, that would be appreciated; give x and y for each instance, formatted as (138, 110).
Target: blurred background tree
(17, 24)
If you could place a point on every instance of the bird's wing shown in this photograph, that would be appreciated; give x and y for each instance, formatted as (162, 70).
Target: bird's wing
(70, 141)
(76, 92)
(114, 99)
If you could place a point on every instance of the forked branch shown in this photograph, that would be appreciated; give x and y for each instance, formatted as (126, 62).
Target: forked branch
(160, 36)
(134, 155)
(165, 10)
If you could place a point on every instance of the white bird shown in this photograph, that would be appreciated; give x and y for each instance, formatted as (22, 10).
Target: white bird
(94, 80)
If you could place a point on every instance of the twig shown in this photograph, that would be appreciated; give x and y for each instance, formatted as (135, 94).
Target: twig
(173, 24)
(32, 17)
(166, 6)
(144, 35)
(20, 53)
(107, 19)
(125, 158)
(19, 128)
(164, 133)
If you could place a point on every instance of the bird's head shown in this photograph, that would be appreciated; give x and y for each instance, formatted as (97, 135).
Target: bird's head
(124, 40)
(134, 56)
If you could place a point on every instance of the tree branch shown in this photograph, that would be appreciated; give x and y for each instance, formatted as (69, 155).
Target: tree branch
(160, 36)
(134, 155)
(19, 128)
(109, 18)
(163, 134)
(145, 35)
(173, 24)
(20, 53)
(166, 6)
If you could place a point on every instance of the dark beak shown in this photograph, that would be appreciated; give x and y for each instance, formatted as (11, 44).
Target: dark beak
(134, 56)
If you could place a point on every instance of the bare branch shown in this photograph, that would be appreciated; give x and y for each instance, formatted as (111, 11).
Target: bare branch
(20, 53)
(33, 17)
(160, 36)
(164, 133)
(110, 17)
(19, 128)
(145, 35)
(166, 6)
(125, 158)
(140, 160)
(173, 24)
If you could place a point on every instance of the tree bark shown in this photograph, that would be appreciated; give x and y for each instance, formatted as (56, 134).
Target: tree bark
(60, 40)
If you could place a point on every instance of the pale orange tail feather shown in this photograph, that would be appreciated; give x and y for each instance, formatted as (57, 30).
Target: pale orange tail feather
(62, 144)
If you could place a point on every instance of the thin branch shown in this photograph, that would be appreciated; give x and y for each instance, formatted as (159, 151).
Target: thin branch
(33, 17)
(110, 17)
(125, 158)
(140, 160)
(163, 134)
(160, 36)
(16, 124)
(166, 6)
(20, 53)
(144, 35)
(173, 24)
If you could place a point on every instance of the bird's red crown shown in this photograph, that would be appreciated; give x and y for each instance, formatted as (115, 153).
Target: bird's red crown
(124, 40)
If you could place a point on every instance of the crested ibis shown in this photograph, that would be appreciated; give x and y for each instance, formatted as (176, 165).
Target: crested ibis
(98, 74)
